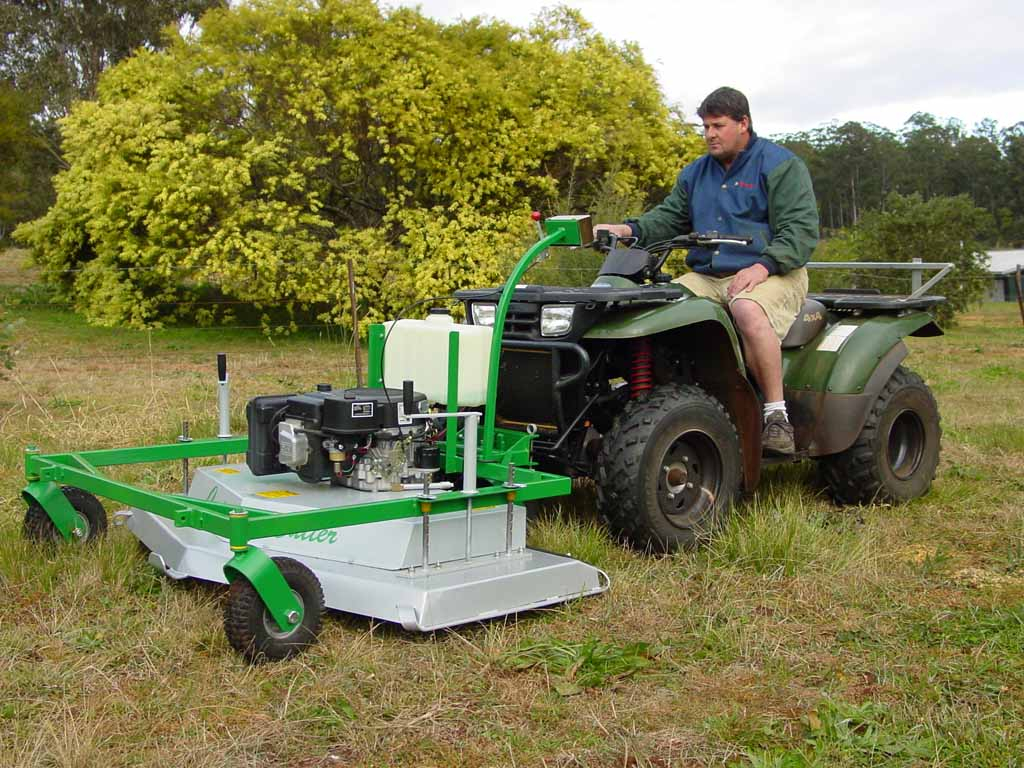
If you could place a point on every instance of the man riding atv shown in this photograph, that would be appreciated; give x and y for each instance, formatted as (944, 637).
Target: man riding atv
(749, 186)
(641, 383)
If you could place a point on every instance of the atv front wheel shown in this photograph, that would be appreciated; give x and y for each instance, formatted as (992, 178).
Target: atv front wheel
(895, 456)
(669, 469)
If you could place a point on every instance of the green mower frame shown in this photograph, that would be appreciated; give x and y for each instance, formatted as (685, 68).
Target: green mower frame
(504, 467)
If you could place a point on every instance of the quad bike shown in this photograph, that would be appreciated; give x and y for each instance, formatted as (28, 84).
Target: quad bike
(640, 385)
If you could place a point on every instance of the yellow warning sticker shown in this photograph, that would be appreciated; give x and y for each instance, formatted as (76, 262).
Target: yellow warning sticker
(276, 494)
(227, 471)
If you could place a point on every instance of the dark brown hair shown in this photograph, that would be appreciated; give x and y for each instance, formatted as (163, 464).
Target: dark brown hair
(726, 101)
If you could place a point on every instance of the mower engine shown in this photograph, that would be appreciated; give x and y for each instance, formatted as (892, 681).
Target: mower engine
(359, 438)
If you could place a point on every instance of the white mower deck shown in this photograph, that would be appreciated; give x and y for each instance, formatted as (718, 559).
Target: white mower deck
(376, 569)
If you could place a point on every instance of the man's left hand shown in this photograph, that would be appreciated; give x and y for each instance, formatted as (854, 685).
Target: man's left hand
(746, 279)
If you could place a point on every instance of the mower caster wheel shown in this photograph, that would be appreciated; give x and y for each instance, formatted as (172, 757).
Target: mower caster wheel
(91, 518)
(252, 631)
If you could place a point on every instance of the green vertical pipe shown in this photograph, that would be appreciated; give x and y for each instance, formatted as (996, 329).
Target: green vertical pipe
(375, 353)
(489, 452)
(452, 428)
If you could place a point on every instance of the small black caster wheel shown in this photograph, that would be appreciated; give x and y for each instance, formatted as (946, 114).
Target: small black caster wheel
(252, 631)
(91, 522)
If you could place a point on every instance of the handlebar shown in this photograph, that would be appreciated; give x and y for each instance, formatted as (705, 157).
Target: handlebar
(649, 261)
(605, 240)
(703, 239)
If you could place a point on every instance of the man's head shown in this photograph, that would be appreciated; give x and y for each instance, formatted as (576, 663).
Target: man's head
(727, 124)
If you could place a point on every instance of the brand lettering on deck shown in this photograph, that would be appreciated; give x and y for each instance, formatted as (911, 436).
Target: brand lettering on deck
(317, 537)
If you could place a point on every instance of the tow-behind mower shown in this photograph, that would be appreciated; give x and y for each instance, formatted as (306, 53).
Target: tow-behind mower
(401, 501)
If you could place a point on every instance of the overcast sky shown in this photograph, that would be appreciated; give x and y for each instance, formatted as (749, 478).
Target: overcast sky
(804, 63)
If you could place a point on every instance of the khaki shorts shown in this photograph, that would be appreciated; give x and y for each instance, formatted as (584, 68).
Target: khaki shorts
(780, 296)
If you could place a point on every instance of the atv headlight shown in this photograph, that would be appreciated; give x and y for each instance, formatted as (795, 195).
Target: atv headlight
(556, 319)
(483, 314)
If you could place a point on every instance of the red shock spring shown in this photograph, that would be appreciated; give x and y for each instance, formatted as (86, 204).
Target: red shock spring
(641, 375)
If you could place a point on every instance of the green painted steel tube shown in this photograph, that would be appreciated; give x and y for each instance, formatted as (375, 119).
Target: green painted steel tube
(82, 463)
(536, 485)
(451, 433)
(140, 455)
(214, 517)
(375, 356)
(266, 578)
(238, 530)
(183, 513)
(488, 451)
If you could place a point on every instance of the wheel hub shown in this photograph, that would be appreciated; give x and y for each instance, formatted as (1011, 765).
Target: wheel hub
(82, 528)
(906, 444)
(271, 626)
(677, 478)
(690, 476)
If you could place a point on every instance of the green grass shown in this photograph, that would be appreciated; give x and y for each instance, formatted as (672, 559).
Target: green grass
(804, 635)
(787, 531)
(578, 666)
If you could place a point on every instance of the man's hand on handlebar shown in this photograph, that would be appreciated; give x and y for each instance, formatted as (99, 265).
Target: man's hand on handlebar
(619, 230)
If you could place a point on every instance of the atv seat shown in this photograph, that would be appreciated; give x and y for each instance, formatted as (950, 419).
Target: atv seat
(808, 324)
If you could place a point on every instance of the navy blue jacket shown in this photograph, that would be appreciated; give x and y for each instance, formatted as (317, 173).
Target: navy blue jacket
(766, 194)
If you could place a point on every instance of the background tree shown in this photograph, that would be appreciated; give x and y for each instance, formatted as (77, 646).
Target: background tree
(939, 229)
(56, 50)
(52, 53)
(21, 152)
(252, 161)
(1010, 218)
(856, 165)
(931, 150)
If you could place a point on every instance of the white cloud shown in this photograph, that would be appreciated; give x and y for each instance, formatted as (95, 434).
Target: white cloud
(803, 64)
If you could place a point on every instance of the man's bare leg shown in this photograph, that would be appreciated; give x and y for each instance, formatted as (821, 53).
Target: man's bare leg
(760, 347)
(763, 354)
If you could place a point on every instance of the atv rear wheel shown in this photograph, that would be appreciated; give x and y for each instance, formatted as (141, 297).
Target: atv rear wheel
(895, 456)
(669, 469)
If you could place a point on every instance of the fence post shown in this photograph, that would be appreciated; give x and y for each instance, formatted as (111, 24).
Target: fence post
(355, 321)
(1020, 296)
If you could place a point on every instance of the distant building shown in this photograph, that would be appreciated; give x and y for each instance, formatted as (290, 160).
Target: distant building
(1002, 267)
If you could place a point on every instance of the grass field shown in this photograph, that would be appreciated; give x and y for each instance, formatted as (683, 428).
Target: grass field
(805, 635)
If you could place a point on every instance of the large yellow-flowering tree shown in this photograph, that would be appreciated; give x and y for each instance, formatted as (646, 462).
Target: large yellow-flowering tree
(252, 161)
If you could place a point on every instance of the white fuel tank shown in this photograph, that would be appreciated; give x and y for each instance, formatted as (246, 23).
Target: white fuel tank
(418, 350)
